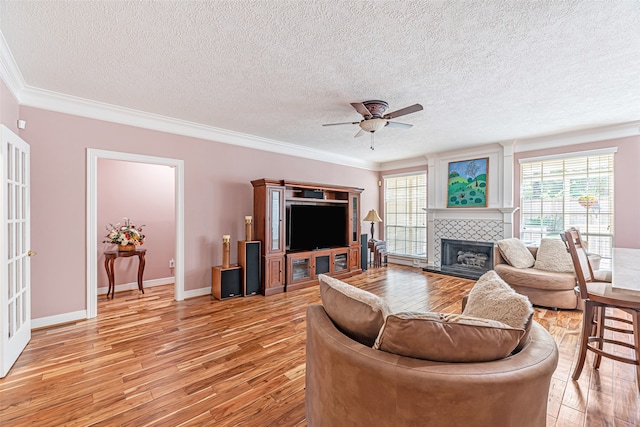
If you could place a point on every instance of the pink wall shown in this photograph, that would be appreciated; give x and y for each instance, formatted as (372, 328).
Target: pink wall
(145, 194)
(218, 195)
(626, 233)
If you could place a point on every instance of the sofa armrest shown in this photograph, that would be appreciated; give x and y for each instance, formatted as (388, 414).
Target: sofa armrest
(497, 256)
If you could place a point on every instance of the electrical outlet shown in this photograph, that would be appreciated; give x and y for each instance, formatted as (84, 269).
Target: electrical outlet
(416, 262)
(172, 263)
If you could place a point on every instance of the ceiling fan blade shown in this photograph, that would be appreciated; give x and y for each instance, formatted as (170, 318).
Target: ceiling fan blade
(399, 125)
(337, 124)
(360, 108)
(360, 133)
(404, 111)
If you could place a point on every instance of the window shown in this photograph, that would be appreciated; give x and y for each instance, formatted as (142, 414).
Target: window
(559, 193)
(405, 203)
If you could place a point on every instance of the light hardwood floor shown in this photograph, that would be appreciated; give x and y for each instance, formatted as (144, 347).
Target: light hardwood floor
(148, 360)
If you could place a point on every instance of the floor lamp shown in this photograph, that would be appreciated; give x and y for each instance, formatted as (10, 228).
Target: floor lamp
(372, 216)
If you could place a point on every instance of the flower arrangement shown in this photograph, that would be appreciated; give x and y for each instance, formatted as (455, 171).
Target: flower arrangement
(588, 201)
(123, 235)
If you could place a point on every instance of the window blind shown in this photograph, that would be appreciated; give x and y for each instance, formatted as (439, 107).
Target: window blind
(560, 193)
(405, 214)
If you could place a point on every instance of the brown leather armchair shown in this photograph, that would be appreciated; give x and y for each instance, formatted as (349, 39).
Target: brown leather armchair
(349, 384)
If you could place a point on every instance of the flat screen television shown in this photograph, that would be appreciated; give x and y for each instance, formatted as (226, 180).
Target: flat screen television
(312, 227)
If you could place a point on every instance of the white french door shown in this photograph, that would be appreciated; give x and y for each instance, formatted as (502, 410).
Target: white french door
(15, 272)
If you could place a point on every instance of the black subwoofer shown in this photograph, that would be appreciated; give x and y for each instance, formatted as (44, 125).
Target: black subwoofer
(231, 283)
(226, 282)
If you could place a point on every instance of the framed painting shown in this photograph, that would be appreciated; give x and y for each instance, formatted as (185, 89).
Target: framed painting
(467, 183)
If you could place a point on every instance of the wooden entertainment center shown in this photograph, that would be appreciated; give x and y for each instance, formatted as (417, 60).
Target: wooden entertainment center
(284, 269)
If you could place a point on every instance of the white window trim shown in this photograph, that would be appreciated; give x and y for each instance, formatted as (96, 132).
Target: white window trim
(599, 151)
(407, 257)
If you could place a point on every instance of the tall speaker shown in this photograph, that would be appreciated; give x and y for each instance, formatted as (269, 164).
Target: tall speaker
(364, 251)
(249, 260)
(226, 282)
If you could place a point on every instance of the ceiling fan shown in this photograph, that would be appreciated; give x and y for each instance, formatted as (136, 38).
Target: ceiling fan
(375, 117)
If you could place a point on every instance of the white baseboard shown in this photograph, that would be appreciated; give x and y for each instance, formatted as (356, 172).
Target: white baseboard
(408, 261)
(197, 292)
(134, 285)
(44, 322)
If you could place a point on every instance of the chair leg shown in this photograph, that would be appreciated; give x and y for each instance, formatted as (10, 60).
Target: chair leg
(587, 321)
(602, 312)
(594, 324)
(636, 342)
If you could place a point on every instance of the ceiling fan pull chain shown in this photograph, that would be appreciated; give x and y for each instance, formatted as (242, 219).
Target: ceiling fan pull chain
(372, 141)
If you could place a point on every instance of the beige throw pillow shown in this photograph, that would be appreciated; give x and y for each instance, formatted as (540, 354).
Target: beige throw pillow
(492, 298)
(515, 253)
(447, 337)
(357, 313)
(553, 256)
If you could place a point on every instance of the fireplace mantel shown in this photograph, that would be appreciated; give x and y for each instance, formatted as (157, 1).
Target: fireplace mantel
(461, 211)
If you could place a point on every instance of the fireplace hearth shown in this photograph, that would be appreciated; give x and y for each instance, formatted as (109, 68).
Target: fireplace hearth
(465, 258)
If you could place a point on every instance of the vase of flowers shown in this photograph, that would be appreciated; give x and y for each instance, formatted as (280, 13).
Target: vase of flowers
(127, 236)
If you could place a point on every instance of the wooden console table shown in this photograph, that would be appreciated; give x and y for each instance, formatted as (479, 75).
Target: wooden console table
(109, 260)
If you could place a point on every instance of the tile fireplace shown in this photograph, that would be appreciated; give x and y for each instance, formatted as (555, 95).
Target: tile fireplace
(465, 258)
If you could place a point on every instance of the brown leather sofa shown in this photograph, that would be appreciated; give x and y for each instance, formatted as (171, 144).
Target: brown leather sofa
(544, 288)
(350, 384)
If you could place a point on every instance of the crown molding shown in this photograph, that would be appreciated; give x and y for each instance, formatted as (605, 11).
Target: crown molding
(9, 71)
(619, 130)
(48, 100)
(478, 150)
(403, 163)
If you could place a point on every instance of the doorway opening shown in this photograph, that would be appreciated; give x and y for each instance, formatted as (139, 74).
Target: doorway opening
(92, 219)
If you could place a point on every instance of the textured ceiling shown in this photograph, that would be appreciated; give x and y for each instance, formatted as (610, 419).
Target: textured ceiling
(485, 71)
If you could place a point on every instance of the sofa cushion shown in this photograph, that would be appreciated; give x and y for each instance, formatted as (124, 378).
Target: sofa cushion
(492, 298)
(447, 337)
(357, 313)
(515, 253)
(553, 256)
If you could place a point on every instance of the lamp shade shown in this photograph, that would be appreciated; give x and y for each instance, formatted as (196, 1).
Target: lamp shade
(372, 216)
(373, 125)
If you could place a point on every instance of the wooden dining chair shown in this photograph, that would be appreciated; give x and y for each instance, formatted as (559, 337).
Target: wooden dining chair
(597, 297)
(379, 253)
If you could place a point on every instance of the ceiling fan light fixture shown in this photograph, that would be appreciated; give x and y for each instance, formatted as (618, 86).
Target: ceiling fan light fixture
(373, 125)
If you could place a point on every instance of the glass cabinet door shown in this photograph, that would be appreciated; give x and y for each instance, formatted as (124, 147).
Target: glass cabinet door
(300, 268)
(275, 223)
(355, 220)
(340, 262)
